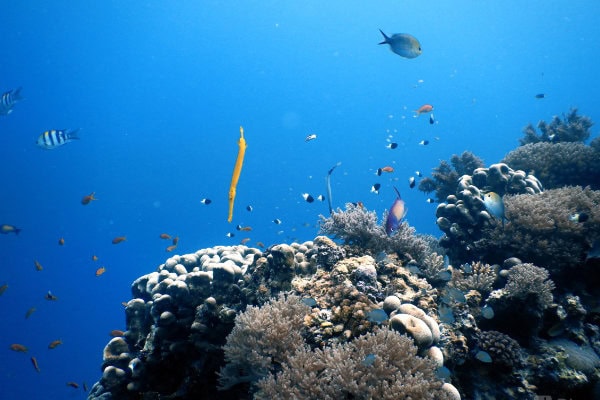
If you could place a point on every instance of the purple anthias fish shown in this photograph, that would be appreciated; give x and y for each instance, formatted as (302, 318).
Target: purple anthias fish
(395, 215)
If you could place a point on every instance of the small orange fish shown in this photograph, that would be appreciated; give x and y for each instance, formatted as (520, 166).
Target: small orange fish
(175, 240)
(244, 240)
(387, 169)
(116, 333)
(171, 248)
(38, 266)
(94, 258)
(260, 244)
(29, 312)
(424, 109)
(3, 288)
(61, 241)
(18, 347)
(244, 228)
(119, 239)
(100, 271)
(165, 236)
(49, 296)
(54, 344)
(87, 199)
(35, 364)
(74, 385)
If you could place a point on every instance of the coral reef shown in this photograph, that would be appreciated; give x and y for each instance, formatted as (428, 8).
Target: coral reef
(545, 229)
(559, 164)
(571, 128)
(464, 218)
(358, 227)
(445, 175)
(263, 339)
(379, 365)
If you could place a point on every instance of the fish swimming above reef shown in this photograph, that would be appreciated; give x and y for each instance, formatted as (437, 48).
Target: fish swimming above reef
(8, 100)
(6, 229)
(494, 205)
(392, 146)
(88, 199)
(119, 239)
(375, 188)
(54, 138)
(310, 137)
(424, 109)
(540, 95)
(579, 217)
(397, 211)
(403, 44)
(387, 168)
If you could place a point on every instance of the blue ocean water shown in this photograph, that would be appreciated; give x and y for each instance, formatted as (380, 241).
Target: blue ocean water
(159, 90)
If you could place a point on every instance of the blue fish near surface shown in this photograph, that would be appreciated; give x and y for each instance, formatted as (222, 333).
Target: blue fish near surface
(8, 100)
(403, 44)
(398, 211)
(56, 137)
(494, 205)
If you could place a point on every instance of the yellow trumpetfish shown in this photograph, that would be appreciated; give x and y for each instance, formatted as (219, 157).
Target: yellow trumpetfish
(236, 172)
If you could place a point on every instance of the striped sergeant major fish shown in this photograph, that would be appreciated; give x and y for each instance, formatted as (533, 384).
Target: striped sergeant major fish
(8, 100)
(54, 138)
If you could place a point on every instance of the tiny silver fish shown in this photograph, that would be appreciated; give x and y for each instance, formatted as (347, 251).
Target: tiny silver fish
(310, 137)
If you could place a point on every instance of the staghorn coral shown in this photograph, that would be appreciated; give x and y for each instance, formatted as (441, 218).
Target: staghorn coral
(445, 176)
(571, 128)
(378, 365)
(477, 276)
(262, 339)
(542, 229)
(358, 227)
(559, 164)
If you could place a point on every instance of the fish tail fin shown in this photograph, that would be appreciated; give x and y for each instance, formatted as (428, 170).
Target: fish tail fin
(73, 134)
(386, 39)
(16, 94)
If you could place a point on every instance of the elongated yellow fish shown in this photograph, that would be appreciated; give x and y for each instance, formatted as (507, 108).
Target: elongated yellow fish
(237, 169)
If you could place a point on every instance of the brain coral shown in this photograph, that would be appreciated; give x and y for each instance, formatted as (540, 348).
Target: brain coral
(559, 164)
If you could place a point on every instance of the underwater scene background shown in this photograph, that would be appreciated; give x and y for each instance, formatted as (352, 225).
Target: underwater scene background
(158, 92)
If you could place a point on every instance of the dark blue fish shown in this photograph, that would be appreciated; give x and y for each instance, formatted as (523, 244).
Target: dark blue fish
(8, 100)
(403, 44)
(397, 212)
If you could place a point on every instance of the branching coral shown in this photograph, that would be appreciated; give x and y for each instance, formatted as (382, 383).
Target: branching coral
(379, 365)
(358, 226)
(559, 164)
(262, 339)
(571, 128)
(545, 229)
(477, 276)
(528, 282)
(504, 350)
(445, 176)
